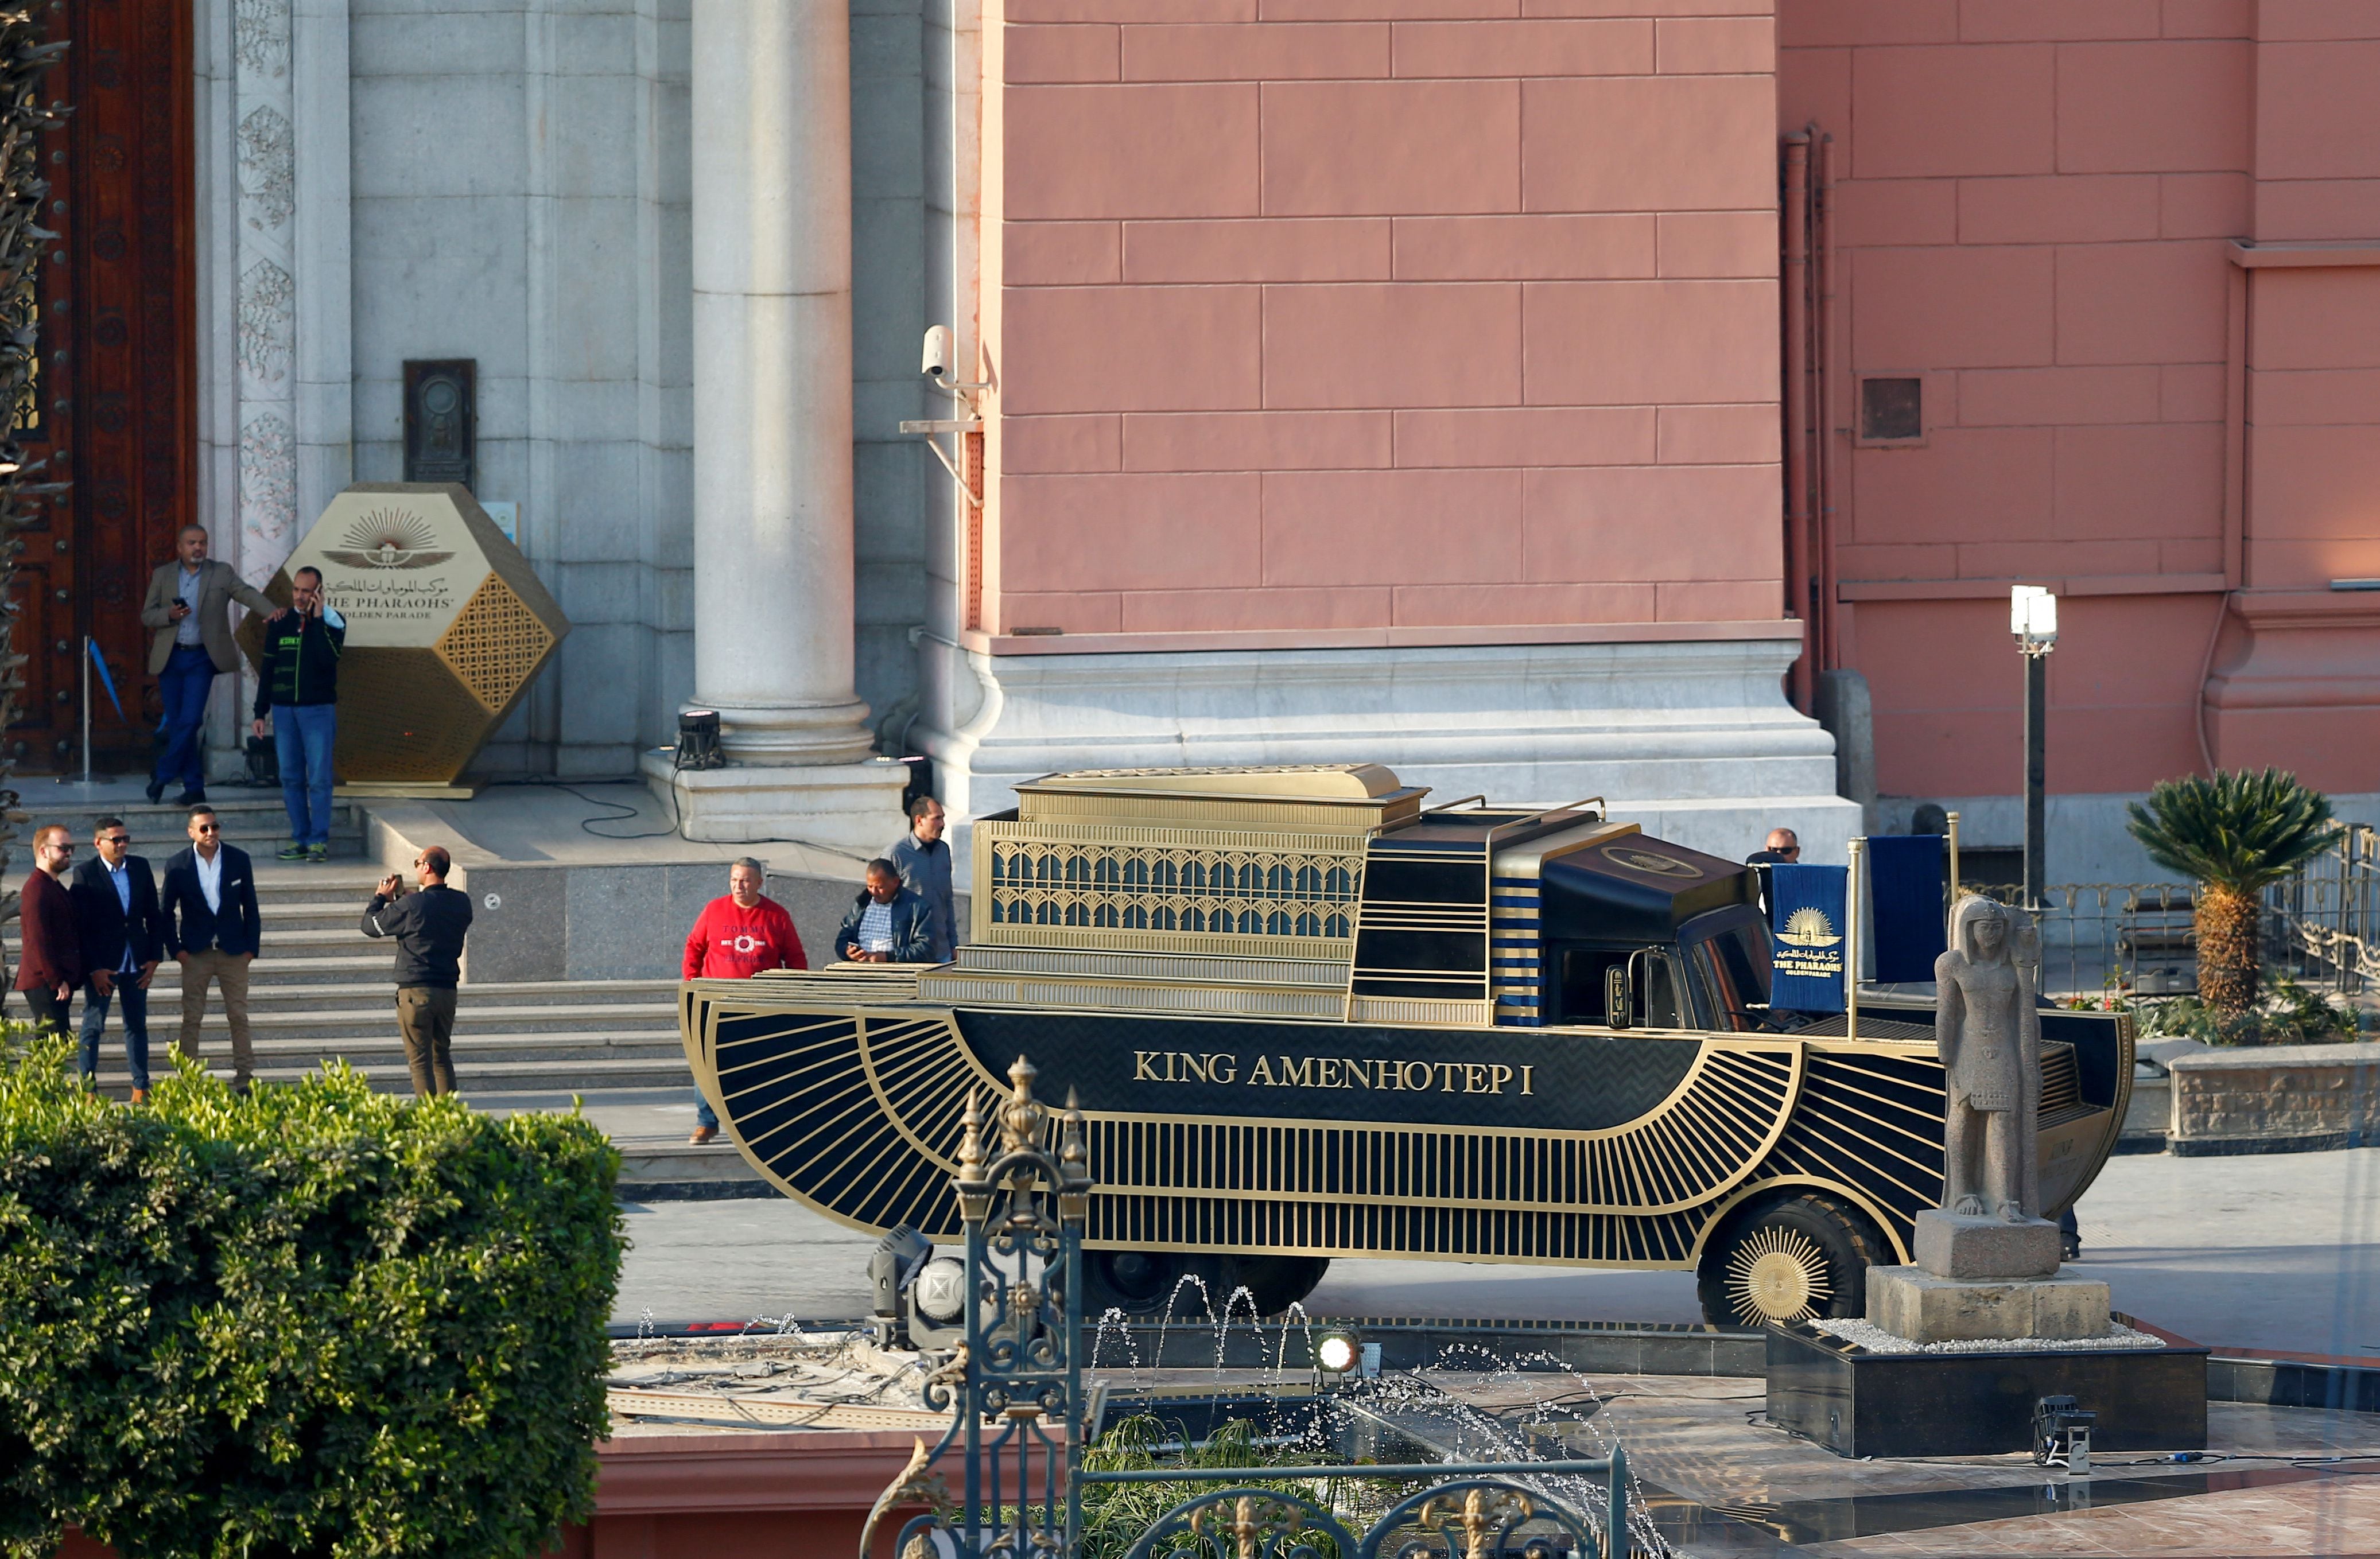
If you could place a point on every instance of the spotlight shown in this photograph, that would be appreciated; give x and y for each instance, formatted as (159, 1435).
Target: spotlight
(698, 739)
(941, 1292)
(894, 1266)
(1335, 1353)
(2061, 1431)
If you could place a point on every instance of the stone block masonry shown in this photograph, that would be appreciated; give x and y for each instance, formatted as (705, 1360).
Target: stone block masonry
(2275, 1098)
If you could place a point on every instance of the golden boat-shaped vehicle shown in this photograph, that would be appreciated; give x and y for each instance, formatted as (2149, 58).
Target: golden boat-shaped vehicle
(1308, 1018)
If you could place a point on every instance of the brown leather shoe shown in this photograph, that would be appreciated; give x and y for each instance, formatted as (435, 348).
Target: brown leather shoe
(703, 1133)
(140, 1095)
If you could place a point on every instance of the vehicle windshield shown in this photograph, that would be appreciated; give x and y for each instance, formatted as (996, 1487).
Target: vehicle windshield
(1727, 953)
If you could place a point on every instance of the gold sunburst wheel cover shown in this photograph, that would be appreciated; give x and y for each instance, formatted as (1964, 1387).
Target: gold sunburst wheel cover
(1778, 1274)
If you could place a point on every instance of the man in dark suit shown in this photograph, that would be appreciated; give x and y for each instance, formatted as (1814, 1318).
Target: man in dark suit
(121, 930)
(213, 930)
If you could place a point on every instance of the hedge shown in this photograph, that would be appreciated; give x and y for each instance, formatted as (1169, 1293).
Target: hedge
(313, 1320)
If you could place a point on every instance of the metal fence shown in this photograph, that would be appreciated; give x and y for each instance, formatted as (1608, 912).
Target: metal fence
(1020, 1417)
(2321, 927)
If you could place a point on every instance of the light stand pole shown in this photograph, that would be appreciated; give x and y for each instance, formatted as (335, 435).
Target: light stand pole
(2033, 622)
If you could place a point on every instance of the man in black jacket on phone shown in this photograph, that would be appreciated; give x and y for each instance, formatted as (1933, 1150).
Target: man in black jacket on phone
(123, 934)
(213, 930)
(429, 927)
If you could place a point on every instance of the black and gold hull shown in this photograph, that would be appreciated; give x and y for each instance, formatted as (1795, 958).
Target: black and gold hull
(1278, 1136)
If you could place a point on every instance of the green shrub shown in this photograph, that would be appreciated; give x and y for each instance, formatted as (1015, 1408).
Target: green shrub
(2288, 1013)
(312, 1321)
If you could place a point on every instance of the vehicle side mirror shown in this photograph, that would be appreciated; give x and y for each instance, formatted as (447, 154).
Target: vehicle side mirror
(1615, 996)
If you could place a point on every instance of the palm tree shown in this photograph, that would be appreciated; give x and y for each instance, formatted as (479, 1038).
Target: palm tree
(2235, 834)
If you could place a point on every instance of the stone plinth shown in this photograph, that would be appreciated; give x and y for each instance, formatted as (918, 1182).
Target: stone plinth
(1912, 1302)
(1949, 1245)
(852, 807)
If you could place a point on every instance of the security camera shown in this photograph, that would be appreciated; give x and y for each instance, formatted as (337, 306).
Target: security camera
(937, 364)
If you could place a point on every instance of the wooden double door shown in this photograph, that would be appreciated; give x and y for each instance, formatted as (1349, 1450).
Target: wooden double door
(113, 406)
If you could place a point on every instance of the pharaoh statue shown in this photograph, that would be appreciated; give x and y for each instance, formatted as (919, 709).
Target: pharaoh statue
(1989, 1037)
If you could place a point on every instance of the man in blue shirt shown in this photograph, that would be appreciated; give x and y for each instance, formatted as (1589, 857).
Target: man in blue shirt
(924, 861)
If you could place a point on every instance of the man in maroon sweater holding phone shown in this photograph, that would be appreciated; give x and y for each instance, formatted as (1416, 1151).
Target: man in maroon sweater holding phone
(734, 938)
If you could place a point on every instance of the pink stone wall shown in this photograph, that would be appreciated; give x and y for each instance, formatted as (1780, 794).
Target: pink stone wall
(2037, 211)
(1368, 314)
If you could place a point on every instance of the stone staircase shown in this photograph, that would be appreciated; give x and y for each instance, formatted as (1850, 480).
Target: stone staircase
(320, 989)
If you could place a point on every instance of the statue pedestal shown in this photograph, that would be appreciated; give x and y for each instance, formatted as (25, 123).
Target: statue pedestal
(1950, 1245)
(1980, 1279)
(1979, 1401)
(1985, 1279)
(1912, 1302)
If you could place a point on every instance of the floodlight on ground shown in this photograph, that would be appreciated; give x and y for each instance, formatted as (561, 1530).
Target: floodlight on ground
(1335, 1353)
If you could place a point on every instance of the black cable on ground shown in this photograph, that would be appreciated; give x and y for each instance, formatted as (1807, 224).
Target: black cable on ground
(618, 811)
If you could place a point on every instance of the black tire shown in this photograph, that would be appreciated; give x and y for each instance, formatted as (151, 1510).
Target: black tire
(1789, 1260)
(1278, 1282)
(1141, 1283)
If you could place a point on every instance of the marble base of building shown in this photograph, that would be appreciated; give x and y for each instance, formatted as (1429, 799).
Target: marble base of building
(853, 807)
(1690, 738)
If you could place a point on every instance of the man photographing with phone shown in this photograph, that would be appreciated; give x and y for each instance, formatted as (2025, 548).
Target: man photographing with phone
(300, 678)
(429, 927)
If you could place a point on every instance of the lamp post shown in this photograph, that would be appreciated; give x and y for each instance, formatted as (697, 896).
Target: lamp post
(2033, 622)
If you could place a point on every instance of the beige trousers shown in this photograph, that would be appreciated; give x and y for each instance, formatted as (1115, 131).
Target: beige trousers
(232, 973)
(425, 1015)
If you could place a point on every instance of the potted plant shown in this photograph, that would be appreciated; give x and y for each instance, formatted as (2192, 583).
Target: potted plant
(2235, 835)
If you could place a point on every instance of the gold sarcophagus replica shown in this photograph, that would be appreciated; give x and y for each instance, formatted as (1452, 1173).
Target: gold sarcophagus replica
(1307, 1017)
(447, 625)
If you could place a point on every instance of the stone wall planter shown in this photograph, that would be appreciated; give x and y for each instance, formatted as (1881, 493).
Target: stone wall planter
(2274, 1098)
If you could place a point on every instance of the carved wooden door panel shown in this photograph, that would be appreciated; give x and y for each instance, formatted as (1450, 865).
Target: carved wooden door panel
(115, 408)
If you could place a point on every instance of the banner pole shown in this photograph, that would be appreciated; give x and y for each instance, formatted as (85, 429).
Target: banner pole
(86, 709)
(1852, 943)
(1952, 908)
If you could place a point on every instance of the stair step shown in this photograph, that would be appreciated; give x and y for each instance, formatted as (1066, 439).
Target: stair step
(593, 1045)
(596, 994)
(322, 990)
(589, 1078)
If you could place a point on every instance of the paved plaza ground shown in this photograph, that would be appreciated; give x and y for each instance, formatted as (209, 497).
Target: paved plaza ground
(2277, 1251)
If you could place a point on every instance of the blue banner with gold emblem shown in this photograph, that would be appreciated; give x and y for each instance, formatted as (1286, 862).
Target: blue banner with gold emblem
(1805, 930)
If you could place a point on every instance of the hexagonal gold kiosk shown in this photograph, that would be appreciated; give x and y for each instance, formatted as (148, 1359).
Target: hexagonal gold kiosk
(446, 626)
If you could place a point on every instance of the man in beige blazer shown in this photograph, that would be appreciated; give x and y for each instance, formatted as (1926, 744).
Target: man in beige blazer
(190, 605)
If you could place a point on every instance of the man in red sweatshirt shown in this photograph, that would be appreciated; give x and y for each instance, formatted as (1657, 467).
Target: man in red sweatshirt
(734, 938)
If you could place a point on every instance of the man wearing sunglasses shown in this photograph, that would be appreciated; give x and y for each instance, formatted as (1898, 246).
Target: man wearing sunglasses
(49, 957)
(213, 930)
(123, 932)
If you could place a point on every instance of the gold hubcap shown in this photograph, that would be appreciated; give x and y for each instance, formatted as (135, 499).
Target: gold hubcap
(1778, 1274)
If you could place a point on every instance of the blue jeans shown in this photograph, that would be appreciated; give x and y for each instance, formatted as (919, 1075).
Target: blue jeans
(136, 1027)
(303, 735)
(183, 686)
(703, 1114)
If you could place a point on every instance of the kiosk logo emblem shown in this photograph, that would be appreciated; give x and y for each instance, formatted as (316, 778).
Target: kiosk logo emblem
(389, 539)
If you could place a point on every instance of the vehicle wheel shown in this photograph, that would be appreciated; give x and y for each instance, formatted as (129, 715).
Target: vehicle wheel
(1143, 1283)
(1278, 1282)
(1790, 1261)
